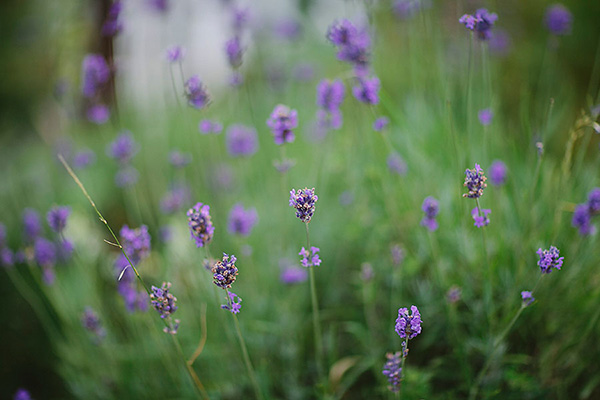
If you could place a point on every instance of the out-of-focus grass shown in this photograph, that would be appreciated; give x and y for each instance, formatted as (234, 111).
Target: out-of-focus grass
(422, 63)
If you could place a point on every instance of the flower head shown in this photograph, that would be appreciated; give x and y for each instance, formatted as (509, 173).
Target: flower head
(94, 74)
(31, 223)
(292, 275)
(207, 126)
(57, 218)
(582, 220)
(241, 140)
(91, 322)
(98, 114)
(396, 164)
(304, 202)
(498, 172)
(559, 20)
(175, 54)
(330, 94)
(481, 218)
(163, 301)
(201, 227)
(196, 93)
(475, 182)
(225, 271)
(233, 49)
(83, 158)
(342, 33)
(527, 298)
(431, 208)
(367, 90)
(22, 394)
(393, 371)
(310, 258)
(408, 326)
(7, 257)
(45, 252)
(594, 201)
(112, 24)
(234, 303)
(123, 148)
(549, 259)
(480, 22)
(281, 122)
(241, 221)
(485, 116)
(179, 159)
(380, 124)
(136, 242)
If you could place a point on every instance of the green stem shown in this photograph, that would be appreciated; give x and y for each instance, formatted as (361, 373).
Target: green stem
(402, 365)
(197, 383)
(315, 311)
(487, 296)
(174, 87)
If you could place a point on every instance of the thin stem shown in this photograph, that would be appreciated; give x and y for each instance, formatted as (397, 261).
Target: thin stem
(402, 365)
(197, 383)
(247, 361)
(203, 336)
(174, 86)
(315, 311)
(488, 273)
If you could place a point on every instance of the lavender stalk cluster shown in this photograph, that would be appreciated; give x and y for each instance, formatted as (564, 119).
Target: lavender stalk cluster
(113, 24)
(175, 54)
(310, 258)
(234, 303)
(431, 208)
(241, 220)
(122, 150)
(282, 122)
(559, 20)
(196, 93)
(242, 141)
(582, 217)
(304, 201)
(480, 217)
(95, 75)
(225, 271)
(330, 95)
(527, 298)
(201, 226)
(481, 22)
(164, 303)
(408, 325)
(549, 259)
(498, 172)
(137, 245)
(206, 126)
(393, 371)
(475, 182)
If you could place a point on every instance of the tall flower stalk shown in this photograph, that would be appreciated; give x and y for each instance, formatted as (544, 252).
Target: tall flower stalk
(197, 383)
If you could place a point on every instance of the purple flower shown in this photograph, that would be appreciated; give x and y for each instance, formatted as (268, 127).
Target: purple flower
(330, 94)
(288, 29)
(225, 271)
(98, 114)
(201, 226)
(356, 46)
(163, 301)
(126, 177)
(481, 22)
(481, 219)
(594, 201)
(207, 126)
(549, 259)
(405, 9)
(396, 164)
(241, 18)
(233, 49)
(498, 172)
(175, 199)
(310, 258)
(328, 120)
(179, 159)
(292, 275)
(91, 322)
(397, 254)
(527, 298)
(175, 54)
(241, 221)
(45, 252)
(283, 166)
(136, 243)
(112, 24)
(304, 72)
(83, 158)
(500, 43)
(380, 124)
(485, 116)
(367, 90)
(123, 148)
(393, 371)
(454, 294)
(7, 257)
(94, 74)
(342, 33)
(475, 182)
(431, 208)
(281, 122)
(241, 140)
(408, 326)
(196, 93)
(64, 250)
(32, 224)
(304, 202)
(236, 79)
(57, 218)
(234, 303)
(582, 220)
(559, 20)
(160, 6)
(22, 394)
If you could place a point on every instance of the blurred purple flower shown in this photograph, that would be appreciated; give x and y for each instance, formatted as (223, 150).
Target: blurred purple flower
(98, 114)
(175, 199)
(160, 6)
(431, 208)
(330, 94)
(397, 254)
(288, 29)
(281, 122)
(454, 294)
(32, 224)
(500, 43)
(22, 394)
(175, 54)
(7, 257)
(559, 20)
(45, 252)
(304, 72)
(179, 159)
(126, 177)
(84, 158)
(196, 93)
(236, 79)
(393, 371)
(136, 243)
(582, 220)
(480, 22)
(498, 172)
(353, 44)
(57, 218)
(242, 140)
(207, 126)
(91, 322)
(396, 164)
(233, 49)
(201, 226)
(367, 90)
(310, 258)
(380, 124)
(241, 221)
(123, 148)
(549, 259)
(94, 74)
(113, 24)
(283, 166)
(485, 116)
(482, 219)
(234, 303)
(527, 298)
(594, 201)
(292, 275)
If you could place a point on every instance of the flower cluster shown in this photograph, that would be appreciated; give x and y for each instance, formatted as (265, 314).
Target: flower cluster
(95, 74)
(396, 164)
(582, 217)
(408, 326)
(475, 182)
(242, 141)
(367, 90)
(207, 126)
(380, 124)
(527, 298)
(241, 221)
(480, 22)
(498, 172)
(431, 208)
(91, 322)
(57, 218)
(233, 50)
(136, 244)
(281, 122)
(234, 303)
(485, 116)
(201, 227)
(113, 24)
(559, 20)
(175, 199)
(22, 394)
(196, 93)
(32, 224)
(225, 271)
(163, 301)
(304, 202)
(353, 44)
(549, 259)
(480, 217)
(310, 258)
(123, 149)
(393, 371)
(330, 95)
(84, 158)
(175, 54)
(45, 255)
(179, 159)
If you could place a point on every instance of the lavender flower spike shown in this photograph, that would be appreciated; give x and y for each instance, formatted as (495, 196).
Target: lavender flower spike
(310, 258)
(480, 22)
(304, 202)
(241, 221)
(196, 93)
(234, 303)
(175, 54)
(393, 371)
(123, 148)
(559, 20)
(367, 90)
(164, 303)
(498, 172)
(233, 49)
(242, 141)
(431, 208)
(201, 227)
(57, 218)
(549, 259)
(480, 220)
(475, 182)
(225, 271)
(527, 298)
(408, 326)
(281, 122)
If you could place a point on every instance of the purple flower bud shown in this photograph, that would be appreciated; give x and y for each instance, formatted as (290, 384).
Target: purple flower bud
(498, 172)
(367, 90)
(234, 303)
(293, 275)
(196, 93)
(22, 394)
(393, 371)
(136, 243)
(288, 29)
(57, 218)
(549, 259)
(281, 122)
(396, 164)
(242, 140)
(123, 148)
(582, 220)
(91, 322)
(310, 258)
(527, 298)
(481, 219)
(207, 126)
(112, 24)
(481, 22)
(32, 224)
(304, 202)
(454, 294)
(7, 257)
(380, 124)
(233, 49)
(84, 158)
(431, 208)
(179, 159)
(175, 54)
(330, 94)
(241, 221)
(126, 177)
(485, 116)
(45, 252)
(201, 226)
(594, 201)
(225, 271)
(94, 74)
(475, 182)
(98, 114)
(559, 20)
